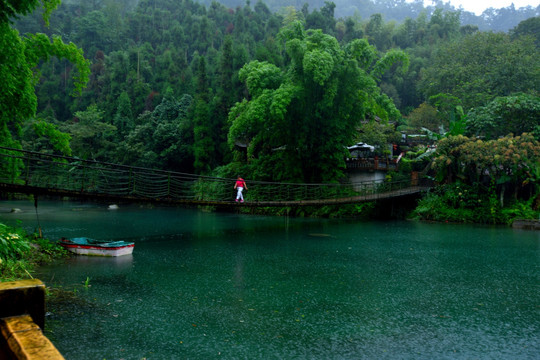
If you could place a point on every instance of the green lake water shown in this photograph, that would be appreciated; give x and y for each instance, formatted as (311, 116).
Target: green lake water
(217, 285)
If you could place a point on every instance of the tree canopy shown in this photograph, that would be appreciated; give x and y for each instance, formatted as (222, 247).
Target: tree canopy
(515, 114)
(306, 82)
(481, 67)
(19, 73)
(297, 122)
(511, 162)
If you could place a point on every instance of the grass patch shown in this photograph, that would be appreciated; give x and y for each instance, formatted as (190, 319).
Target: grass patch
(21, 253)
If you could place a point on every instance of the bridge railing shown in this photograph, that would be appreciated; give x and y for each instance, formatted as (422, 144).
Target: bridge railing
(68, 174)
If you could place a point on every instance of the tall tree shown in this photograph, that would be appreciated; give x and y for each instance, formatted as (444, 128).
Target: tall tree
(506, 115)
(482, 66)
(162, 138)
(203, 147)
(296, 123)
(323, 19)
(529, 27)
(425, 116)
(20, 56)
(90, 135)
(224, 99)
(378, 33)
(123, 119)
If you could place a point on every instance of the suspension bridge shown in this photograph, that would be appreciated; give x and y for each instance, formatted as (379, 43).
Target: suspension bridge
(41, 174)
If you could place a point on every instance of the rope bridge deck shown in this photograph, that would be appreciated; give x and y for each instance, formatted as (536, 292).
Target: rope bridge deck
(45, 174)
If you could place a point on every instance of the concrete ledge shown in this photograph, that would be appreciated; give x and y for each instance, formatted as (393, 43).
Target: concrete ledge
(22, 318)
(25, 340)
(25, 297)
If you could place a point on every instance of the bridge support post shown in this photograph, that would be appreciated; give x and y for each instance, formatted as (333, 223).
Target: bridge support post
(37, 216)
(27, 176)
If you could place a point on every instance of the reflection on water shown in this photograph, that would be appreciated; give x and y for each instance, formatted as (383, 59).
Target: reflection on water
(207, 285)
(116, 265)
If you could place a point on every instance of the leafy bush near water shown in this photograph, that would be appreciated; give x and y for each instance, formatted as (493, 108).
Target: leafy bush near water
(20, 252)
(458, 202)
(13, 243)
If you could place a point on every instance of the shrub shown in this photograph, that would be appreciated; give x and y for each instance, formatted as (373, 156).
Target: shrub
(20, 252)
(13, 243)
(458, 202)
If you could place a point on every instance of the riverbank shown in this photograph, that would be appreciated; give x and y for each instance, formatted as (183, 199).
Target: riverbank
(21, 253)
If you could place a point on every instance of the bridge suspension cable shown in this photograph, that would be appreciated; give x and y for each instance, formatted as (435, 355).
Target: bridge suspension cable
(33, 172)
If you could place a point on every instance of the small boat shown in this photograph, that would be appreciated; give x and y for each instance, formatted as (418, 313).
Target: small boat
(86, 246)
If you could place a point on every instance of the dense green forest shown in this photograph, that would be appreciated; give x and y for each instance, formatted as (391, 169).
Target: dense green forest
(494, 19)
(274, 93)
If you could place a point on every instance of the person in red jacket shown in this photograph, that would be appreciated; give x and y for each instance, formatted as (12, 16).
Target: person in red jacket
(239, 186)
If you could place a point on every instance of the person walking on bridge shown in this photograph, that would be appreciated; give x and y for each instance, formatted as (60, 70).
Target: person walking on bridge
(239, 186)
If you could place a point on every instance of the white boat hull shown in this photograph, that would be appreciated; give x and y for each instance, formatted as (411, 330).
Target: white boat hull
(99, 251)
(85, 246)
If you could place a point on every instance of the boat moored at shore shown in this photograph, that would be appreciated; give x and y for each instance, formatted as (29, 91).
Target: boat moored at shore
(87, 246)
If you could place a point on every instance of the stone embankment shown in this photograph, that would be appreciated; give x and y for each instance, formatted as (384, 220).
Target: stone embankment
(526, 224)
